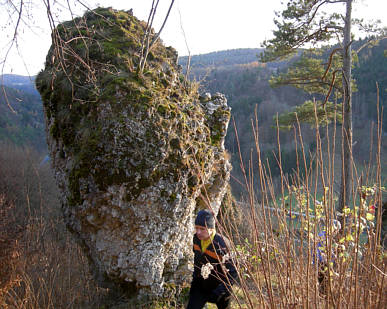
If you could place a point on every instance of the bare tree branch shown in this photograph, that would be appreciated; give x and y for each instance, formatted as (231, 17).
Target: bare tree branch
(162, 26)
(330, 61)
(146, 47)
(370, 42)
(12, 43)
(188, 68)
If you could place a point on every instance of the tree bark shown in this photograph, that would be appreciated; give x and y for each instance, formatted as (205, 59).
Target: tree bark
(345, 187)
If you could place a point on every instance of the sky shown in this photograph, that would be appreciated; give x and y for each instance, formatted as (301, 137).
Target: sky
(194, 26)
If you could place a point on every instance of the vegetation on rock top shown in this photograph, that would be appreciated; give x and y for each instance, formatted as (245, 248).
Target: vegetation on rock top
(94, 97)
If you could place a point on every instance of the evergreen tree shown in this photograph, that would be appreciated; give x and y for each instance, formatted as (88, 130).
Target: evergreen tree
(305, 23)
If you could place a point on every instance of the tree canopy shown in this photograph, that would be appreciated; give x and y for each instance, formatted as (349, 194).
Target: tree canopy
(309, 23)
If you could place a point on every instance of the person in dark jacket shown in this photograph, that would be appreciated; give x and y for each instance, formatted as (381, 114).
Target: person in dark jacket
(214, 271)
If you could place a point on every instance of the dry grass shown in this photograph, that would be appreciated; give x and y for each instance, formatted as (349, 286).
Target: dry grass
(41, 265)
(53, 271)
(275, 235)
(10, 235)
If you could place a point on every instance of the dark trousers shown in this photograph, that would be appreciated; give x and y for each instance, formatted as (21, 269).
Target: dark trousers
(198, 297)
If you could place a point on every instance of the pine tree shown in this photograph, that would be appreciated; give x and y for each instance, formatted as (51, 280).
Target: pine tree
(305, 23)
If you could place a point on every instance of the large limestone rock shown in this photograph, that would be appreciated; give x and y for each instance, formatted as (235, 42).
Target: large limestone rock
(135, 156)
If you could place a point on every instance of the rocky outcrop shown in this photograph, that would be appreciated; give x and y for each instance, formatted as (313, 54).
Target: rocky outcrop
(135, 155)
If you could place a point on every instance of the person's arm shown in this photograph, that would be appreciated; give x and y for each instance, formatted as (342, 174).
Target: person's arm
(232, 274)
(225, 287)
(196, 272)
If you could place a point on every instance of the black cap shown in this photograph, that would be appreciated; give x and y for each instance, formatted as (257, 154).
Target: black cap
(205, 218)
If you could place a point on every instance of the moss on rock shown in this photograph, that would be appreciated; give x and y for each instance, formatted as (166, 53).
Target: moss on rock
(130, 150)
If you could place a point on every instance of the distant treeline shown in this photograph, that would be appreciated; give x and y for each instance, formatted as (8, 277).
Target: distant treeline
(244, 80)
(236, 74)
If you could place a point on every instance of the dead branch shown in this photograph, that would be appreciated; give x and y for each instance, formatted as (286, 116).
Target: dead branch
(147, 43)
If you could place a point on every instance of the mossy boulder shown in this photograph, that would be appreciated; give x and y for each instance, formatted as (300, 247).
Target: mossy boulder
(135, 154)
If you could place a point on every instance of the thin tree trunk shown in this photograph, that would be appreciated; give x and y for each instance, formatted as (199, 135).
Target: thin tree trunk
(149, 43)
(147, 33)
(345, 187)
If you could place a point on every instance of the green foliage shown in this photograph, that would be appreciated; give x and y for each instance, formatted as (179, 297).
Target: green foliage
(312, 113)
(300, 23)
(358, 220)
(309, 74)
(307, 23)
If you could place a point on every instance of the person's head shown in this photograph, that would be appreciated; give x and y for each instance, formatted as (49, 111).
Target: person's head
(204, 224)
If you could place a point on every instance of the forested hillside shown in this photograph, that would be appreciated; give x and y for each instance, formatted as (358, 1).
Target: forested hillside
(370, 70)
(246, 86)
(19, 82)
(244, 81)
(21, 113)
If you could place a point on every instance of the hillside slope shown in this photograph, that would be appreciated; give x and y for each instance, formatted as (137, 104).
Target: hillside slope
(21, 113)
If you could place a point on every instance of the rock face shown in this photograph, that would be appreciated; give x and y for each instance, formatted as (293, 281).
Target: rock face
(135, 155)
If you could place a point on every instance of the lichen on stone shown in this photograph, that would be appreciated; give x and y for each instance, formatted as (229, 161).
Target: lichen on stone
(132, 152)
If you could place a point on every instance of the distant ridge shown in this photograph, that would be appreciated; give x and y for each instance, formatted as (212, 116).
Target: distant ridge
(223, 58)
(20, 82)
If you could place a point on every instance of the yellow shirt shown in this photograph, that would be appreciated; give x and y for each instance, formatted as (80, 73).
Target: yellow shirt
(205, 243)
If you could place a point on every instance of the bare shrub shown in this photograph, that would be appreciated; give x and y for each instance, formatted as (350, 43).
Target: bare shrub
(282, 232)
(52, 271)
(10, 235)
(26, 182)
